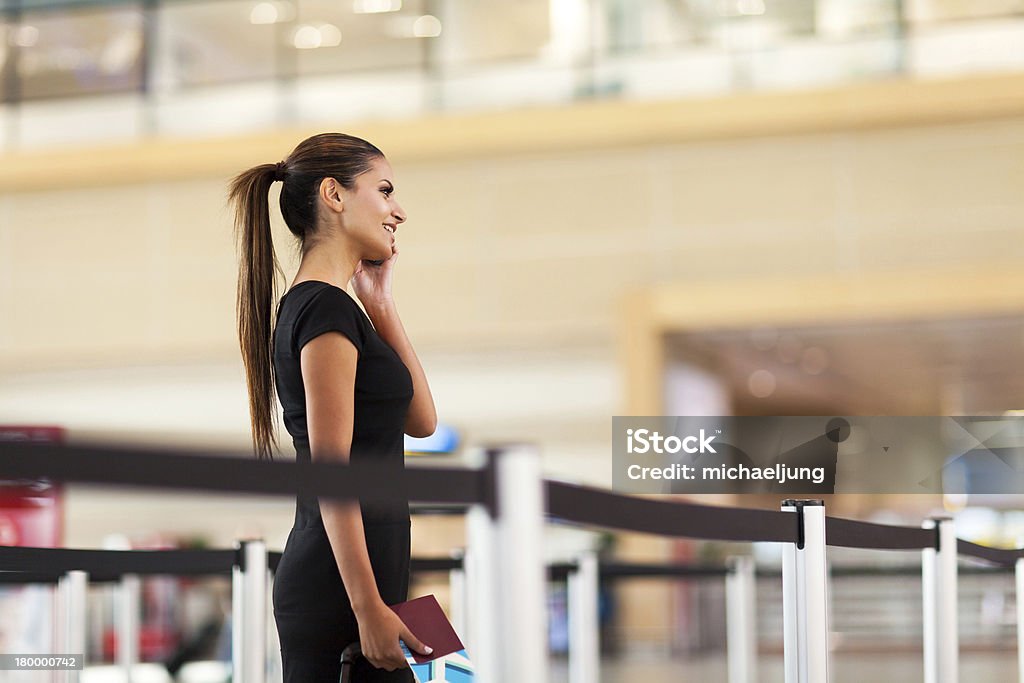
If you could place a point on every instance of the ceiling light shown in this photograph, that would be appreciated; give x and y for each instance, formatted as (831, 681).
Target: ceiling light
(274, 12)
(26, 36)
(376, 6)
(330, 35)
(427, 26)
(307, 38)
(761, 383)
(264, 13)
(322, 35)
(121, 53)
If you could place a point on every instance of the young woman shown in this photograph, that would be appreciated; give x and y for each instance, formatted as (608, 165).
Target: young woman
(349, 386)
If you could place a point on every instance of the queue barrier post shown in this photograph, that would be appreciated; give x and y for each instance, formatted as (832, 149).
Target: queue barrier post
(1019, 576)
(249, 613)
(584, 625)
(520, 568)
(128, 624)
(237, 617)
(72, 591)
(939, 593)
(805, 596)
(458, 599)
(482, 587)
(58, 629)
(741, 619)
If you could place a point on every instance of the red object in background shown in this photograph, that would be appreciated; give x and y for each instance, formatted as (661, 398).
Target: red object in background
(155, 643)
(32, 514)
(31, 510)
(159, 630)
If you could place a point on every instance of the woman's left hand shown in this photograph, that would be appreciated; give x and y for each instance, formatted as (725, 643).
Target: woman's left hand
(372, 283)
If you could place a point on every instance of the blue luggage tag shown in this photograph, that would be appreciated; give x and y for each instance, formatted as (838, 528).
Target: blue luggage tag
(452, 668)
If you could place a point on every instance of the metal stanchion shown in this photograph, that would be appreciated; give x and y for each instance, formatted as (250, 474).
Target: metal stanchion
(57, 625)
(249, 613)
(1019, 572)
(237, 619)
(584, 627)
(482, 586)
(939, 591)
(741, 619)
(480, 562)
(831, 620)
(457, 601)
(128, 624)
(520, 532)
(805, 596)
(791, 646)
(73, 593)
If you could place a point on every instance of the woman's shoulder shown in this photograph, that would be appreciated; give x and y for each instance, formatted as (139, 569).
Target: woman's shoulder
(311, 308)
(310, 295)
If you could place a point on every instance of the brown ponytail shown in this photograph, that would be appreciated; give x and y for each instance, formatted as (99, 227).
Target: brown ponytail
(334, 155)
(257, 290)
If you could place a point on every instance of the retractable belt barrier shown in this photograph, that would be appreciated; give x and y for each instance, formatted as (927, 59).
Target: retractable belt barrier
(46, 565)
(111, 565)
(456, 487)
(595, 507)
(610, 571)
(1002, 556)
(504, 557)
(198, 471)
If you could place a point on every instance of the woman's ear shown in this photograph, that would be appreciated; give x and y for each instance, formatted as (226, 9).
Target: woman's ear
(330, 194)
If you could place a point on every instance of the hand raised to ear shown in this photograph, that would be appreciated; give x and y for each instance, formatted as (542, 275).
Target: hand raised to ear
(372, 283)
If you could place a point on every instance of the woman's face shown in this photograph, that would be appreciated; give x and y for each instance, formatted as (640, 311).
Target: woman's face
(370, 213)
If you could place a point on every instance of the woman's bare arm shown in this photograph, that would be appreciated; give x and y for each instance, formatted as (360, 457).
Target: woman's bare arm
(328, 372)
(422, 417)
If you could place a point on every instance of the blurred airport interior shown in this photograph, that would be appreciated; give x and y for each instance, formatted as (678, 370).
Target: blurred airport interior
(661, 207)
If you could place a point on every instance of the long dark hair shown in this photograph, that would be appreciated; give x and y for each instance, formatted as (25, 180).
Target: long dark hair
(334, 155)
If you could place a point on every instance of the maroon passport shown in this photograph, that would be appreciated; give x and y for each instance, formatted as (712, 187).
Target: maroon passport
(427, 621)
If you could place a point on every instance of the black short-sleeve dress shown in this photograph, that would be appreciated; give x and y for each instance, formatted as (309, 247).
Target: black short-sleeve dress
(312, 610)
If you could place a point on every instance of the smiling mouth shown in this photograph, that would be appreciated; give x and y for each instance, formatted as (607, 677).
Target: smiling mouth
(389, 228)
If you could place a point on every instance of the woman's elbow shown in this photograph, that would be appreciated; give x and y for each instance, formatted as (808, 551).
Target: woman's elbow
(421, 429)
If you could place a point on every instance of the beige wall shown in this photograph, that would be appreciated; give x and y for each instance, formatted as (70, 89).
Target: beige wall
(535, 250)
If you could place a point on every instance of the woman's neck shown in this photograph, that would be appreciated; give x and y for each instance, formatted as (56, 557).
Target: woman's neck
(327, 262)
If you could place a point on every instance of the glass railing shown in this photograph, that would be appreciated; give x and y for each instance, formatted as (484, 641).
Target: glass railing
(86, 71)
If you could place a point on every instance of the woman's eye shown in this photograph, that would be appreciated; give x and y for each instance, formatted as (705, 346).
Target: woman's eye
(387, 191)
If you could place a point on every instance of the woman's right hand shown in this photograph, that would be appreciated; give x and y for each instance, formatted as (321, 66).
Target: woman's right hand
(379, 632)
